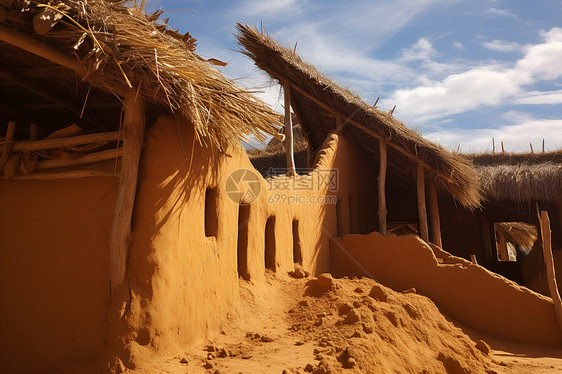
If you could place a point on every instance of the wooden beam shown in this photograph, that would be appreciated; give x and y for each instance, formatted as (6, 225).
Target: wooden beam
(89, 158)
(41, 49)
(289, 144)
(382, 188)
(133, 136)
(38, 145)
(422, 211)
(550, 269)
(8, 144)
(434, 214)
(72, 174)
(371, 132)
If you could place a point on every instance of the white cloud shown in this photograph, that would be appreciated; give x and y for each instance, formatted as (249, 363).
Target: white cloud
(458, 45)
(485, 85)
(540, 97)
(516, 138)
(501, 12)
(502, 46)
(265, 8)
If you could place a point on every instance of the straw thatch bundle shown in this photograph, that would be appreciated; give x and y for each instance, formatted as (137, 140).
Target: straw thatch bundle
(523, 178)
(122, 48)
(521, 233)
(451, 171)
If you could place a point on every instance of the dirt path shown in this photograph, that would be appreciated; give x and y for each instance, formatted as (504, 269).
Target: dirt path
(346, 326)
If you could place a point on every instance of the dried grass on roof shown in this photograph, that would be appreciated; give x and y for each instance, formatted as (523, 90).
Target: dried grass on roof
(524, 234)
(520, 177)
(452, 172)
(123, 48)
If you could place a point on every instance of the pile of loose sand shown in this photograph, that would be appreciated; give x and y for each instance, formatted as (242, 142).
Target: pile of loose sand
(325, 325)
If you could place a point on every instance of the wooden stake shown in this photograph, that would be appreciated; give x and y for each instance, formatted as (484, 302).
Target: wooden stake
(543, 145)
(493, 146)
(8, 144)
(503, 151)
(434, 214)
(473, 259)
(422, 212)
(531, 144)
(291, 170)
(550, 269)
(133, 136)
(382, 187)
(375, 104)
(392, 110)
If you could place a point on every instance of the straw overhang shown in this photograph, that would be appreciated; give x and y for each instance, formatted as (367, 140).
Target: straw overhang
(119, 48)
(316, 99)
(520, 177)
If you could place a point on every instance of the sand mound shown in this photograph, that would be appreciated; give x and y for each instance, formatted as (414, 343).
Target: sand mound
(363, 326)
(328, 325)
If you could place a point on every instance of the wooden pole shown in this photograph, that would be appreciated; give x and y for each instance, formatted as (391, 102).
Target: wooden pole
(72, 174)
(473, 259)
(434, 214)
(531, 144)
(382, 188)
(422, 212)
(503, 151)
(501, 246)
(291, 170)
(550, 269)
(486, 237)
(33, 131)
(88, 158)
(493, 146)
(133, 136)
(39, 145)
(543, 145)
(41, 49)
(8, 144)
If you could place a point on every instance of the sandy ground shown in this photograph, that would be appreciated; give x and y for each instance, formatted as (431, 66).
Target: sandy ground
(303, 325)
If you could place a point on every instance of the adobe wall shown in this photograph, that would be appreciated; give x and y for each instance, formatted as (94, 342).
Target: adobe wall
(184, 280)
(469, 293)
(54, 272)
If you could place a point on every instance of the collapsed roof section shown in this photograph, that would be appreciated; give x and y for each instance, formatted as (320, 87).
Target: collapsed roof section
(69, 61)
(323, 107)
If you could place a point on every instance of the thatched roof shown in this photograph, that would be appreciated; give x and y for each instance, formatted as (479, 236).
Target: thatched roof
(452, 172)
(524, 234)
(523, 177)
(114, 48)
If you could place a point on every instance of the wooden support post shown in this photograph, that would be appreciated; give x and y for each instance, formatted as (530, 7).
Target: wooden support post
(501, 246)
(133, 136)
(422, 211)
(33, 131)
(382, 188)
(291, 170)
(434, 214)
(8, 144)
(487, 239)
(550, 270)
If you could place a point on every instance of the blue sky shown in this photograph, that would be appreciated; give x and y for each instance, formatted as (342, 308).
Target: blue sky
(460, 72)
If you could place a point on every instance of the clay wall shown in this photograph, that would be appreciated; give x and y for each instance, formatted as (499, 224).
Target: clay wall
(54, 274)
(469, 293)
(190, 236)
